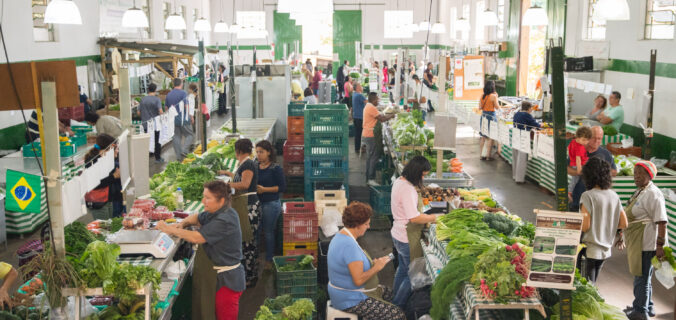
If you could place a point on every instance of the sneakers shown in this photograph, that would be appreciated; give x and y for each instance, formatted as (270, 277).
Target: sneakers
(372, 183)
(630, 309)
(160, 160)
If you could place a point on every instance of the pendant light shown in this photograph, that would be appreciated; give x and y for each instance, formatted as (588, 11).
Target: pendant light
(174, 21)
(221, 26)
(62, 12)
(202, 24)
(134, 18)
(535, 16)
(424, 25)
(612, 10)
(438, 28)
(234, 27)
(489, 17)
(462, 24)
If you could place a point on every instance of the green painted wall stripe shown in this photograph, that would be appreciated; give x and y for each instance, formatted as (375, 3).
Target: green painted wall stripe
(409, 46)
(662, 69)
(79, 61)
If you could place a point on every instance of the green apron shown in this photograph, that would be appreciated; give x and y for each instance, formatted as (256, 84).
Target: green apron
(204, 286)
(413, 232)
(372, 288)
(633, 236)
(240, 202)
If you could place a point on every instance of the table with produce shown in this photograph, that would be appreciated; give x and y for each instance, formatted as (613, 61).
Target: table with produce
(479, 256)
(407, 136)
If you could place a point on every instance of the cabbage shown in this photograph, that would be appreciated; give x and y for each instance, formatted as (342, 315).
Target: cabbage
(611, 312)
(429, 133)
(420, 138)
(584, 304)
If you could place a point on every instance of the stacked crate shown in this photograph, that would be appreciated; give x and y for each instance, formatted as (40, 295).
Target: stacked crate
(300, 229)
(293, 149)
(326, 148)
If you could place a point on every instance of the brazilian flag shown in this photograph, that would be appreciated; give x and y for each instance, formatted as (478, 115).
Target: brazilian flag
(23, 192)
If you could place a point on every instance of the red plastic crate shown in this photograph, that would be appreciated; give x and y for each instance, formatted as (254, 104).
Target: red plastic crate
(294, 169)
(75, 113)
(293, 152)
(300, 227)
(295, 125)
(298, 208)
(295, 138)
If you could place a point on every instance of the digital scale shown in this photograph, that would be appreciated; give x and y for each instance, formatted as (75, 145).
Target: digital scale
(153, 242)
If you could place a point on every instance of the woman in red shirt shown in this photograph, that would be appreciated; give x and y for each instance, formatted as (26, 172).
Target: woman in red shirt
(386, 75)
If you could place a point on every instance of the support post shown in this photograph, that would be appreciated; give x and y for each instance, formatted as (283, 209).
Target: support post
(560, 163)
(125, 117)
(253, 85)
(232, 90)
(647, 146)
(201, 121)
(397, 77)
(52, 156)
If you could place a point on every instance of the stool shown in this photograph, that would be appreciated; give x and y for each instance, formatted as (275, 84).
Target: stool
(335, 314)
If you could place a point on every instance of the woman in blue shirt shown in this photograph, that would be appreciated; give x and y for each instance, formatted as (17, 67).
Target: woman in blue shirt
(270, 184)
(353, 275)
(523, 120)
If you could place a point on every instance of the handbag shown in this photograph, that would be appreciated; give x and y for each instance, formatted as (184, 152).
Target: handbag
(97, 195)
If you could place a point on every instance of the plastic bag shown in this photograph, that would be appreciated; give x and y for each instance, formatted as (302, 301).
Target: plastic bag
(659, 163)
(417, 273)
(330, 221)
(665, 274)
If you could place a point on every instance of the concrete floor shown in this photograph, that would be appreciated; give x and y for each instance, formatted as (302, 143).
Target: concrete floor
(615, 281)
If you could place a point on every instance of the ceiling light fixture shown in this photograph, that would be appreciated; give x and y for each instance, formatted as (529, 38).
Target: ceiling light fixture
(134, 18)
(62, 12)
(174, 21)
(202, 24)
(438, 28)
(221, 26)
(535, 16)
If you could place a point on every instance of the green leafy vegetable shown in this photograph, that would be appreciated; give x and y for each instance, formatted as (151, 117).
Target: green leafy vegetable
(97, 263)
(278, 303)
(127, 278)
(299, 310)
(303, 264)
(501, 223)
(77, 238)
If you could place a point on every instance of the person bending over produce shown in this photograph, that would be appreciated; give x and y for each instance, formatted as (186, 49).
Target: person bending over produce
(408, 223)
(247, 205)
(105, 201)
(603, 216)
(271, 183)
(218, 255)
(8, 274)
(371, 117)
(353, 276)
(644, 238)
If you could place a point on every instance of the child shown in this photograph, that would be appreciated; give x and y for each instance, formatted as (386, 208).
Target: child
(577, 153)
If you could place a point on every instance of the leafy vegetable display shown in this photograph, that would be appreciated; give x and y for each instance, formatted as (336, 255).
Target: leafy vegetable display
(127, 278)
(587, 303)
(609, 130)
(97, 263)
(77, 238)
(303, 264)
(625, 165)
(189, 177)
(284, 308)
(500, 222)
(501, 272)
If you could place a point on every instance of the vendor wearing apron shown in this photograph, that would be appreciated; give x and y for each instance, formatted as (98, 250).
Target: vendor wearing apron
(408, 223)
(645, 237)
(218, 276)
(353, 275)
(247, 205)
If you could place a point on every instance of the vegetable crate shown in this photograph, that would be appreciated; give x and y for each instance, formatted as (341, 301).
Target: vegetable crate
(296, 108)
(295, 124)
(295, 186)
(313, 184)
(300, 249)
(298, 283)
(334, 145)
(380, 198)
(326, 168)
(79, 140)
(293, 152)
(295, 138)
(301, 223)
(294, 169)
(329, 199)
(326, 119)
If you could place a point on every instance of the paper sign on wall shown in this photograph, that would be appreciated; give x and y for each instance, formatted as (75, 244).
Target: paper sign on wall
(557, 235)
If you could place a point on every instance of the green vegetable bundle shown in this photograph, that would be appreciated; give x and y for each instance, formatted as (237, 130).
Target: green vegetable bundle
(97, 263)
(77, 238)
(303, 264)
(284, 308)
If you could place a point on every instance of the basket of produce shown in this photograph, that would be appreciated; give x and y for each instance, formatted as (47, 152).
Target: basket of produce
(286, 307)
(295, 275)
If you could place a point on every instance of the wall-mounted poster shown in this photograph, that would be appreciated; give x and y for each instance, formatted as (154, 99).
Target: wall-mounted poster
(474, 74)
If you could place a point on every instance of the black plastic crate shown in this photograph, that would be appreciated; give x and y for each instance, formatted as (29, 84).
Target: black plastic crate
(322, 262)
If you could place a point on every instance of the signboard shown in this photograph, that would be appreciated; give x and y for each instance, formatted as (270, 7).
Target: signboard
(516, 139)
(557, 236)
(474, 74)
(469, 78)
(525, 141)
(545, 149)
(444, 128)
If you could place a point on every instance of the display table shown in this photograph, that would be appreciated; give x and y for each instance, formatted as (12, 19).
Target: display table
(254, 129)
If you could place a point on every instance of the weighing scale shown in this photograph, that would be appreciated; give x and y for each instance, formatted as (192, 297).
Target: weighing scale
(152, 242)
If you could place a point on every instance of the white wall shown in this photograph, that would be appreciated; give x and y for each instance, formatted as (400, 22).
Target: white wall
(625, 41)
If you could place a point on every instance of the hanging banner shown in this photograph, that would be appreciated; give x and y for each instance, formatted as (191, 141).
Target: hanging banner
(23, 192)
(503, 132)
(525, 141)
(557, 236)
(545, 148)
(516, 139)
(493, 131)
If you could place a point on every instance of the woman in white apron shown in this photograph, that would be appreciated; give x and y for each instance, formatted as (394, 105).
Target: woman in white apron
(644, 237)
(353, 275)
(218, 275)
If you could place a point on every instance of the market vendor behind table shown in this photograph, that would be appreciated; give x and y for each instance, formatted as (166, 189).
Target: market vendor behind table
(219, 237)
(613, 115)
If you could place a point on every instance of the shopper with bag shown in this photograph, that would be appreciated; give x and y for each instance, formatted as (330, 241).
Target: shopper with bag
(105, 201)
(218, 275)
(644, 238)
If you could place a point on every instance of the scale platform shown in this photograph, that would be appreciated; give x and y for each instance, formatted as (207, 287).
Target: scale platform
(153, 242)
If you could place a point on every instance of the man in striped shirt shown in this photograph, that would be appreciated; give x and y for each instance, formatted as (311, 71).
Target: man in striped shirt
(33, 131)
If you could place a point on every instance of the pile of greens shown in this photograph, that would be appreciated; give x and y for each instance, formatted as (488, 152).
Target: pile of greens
(284, 308)
(407, 131)
(127, 278)
(609, 130)
(302, 264)
(587, 303)
(78, 238)
(625, 165)
(189, 177)
(501, 223)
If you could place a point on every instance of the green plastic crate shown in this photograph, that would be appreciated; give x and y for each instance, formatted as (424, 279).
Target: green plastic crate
(66, 150)
(295, 108)
(334, 145)
(299, 283)
(326, 119)
(380, 199)
(79, 140)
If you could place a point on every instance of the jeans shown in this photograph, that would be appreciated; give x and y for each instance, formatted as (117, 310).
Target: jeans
(158, 146)
(271, 211)
(577, 192)
(357, 134)
(643, 288)
(181, 146)
(118, 208)
(371, 157)
(402, 284)
(593, 269)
